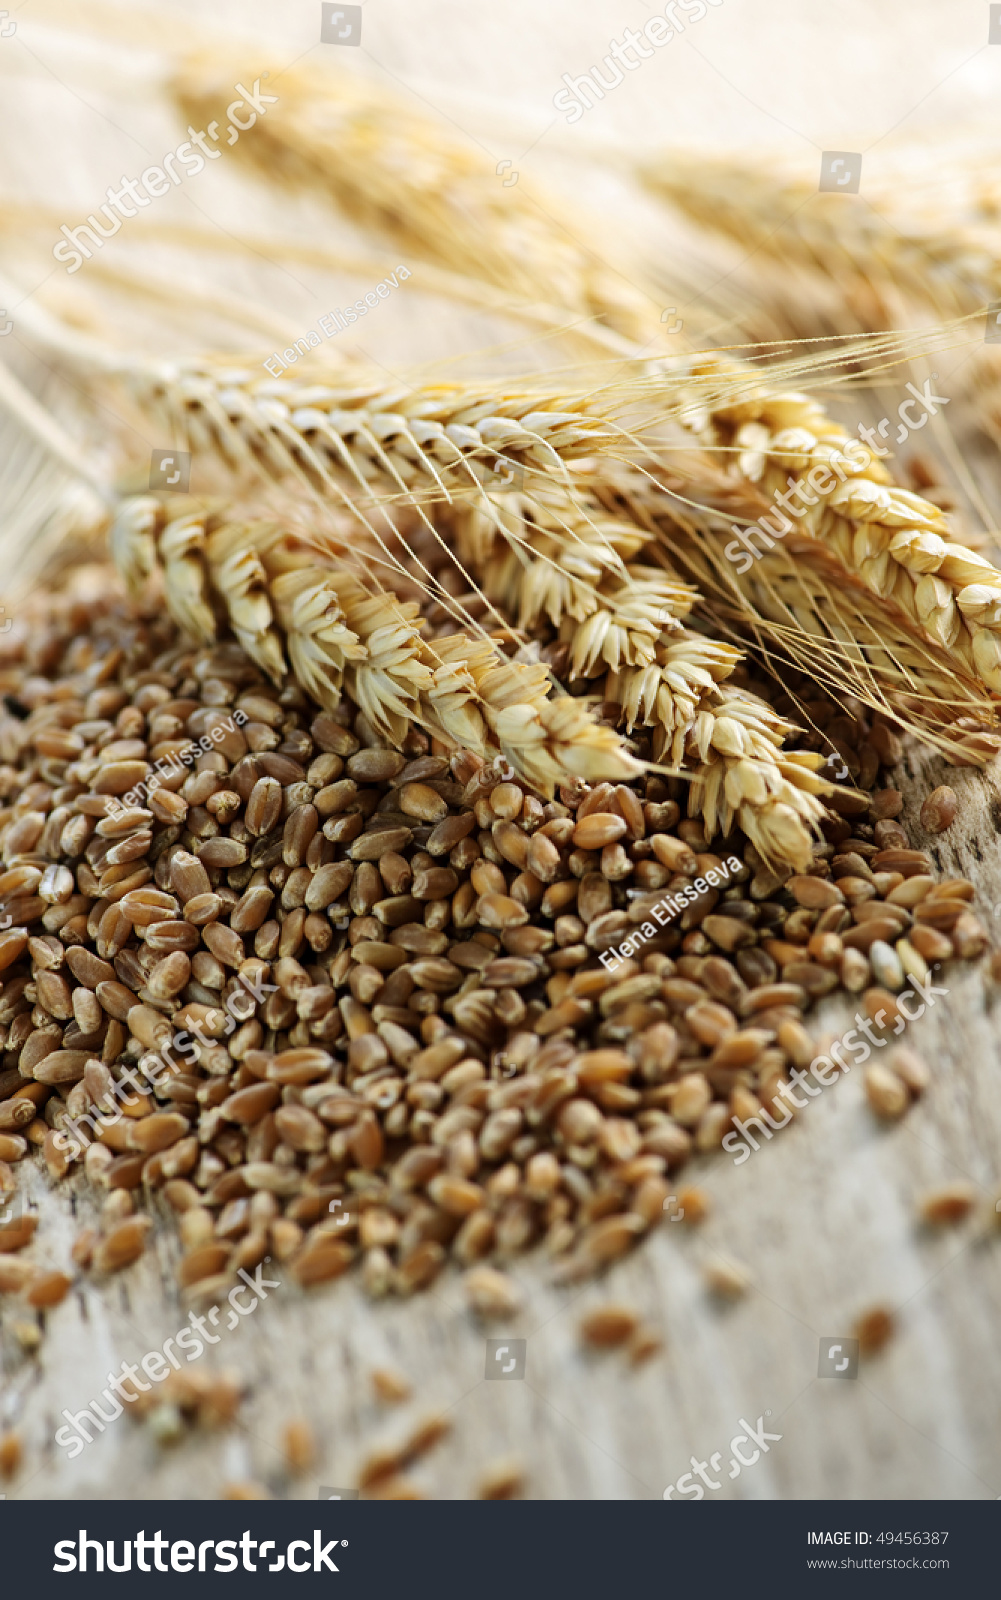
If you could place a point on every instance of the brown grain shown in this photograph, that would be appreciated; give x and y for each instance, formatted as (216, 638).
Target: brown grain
(938, 810)
(886, 1092)
(874, 1329)
(503, 1479)
(608, 1326)
(947, 1205)
(11, 1452)
(491, 1294)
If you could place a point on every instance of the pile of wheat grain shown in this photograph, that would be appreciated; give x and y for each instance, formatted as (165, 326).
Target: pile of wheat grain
(444, 1066)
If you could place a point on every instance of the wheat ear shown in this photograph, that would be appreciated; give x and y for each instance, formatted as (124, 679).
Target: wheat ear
(433, 198)
(358, 446)
(802, 605)
(896, 542)
(448, 442)
(879, 252)
(731, 741)
(285, 604)
(555, 558)
(665, 678)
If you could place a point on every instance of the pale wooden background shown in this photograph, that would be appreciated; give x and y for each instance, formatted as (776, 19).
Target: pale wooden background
(823, 1218)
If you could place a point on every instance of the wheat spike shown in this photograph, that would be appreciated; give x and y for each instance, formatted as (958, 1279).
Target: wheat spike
(895, 541)
(361, 447)
(543, 738)
(664, 677)
(456, 440)
(283, 602)
(349, 436)
(132, 540)
(731, 741)
(773, 797)
(376, 454)
(435, 199)
(241, 577)
(569, 438)
(802, 605)
(253, 575)
(557, 558)
(895, 247)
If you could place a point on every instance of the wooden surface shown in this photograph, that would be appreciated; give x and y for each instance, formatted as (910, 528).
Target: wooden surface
(823, 1218)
